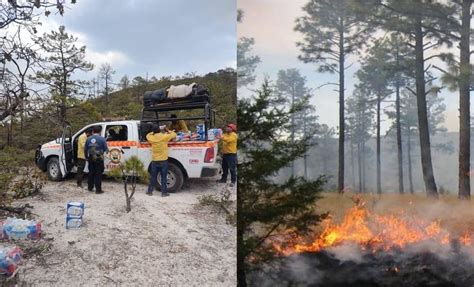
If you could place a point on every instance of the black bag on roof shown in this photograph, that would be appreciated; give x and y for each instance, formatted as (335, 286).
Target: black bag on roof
(153, 97)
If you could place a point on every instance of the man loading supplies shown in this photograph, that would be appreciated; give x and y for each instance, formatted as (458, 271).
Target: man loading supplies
(178, 125)
(159, 138)
(229, 154)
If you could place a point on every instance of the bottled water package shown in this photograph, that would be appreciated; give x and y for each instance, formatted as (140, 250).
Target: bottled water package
(9, 259)
(18, 229)
(75, 209)
(73, 223)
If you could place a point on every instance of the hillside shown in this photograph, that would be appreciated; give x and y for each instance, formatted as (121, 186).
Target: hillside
(126, 103)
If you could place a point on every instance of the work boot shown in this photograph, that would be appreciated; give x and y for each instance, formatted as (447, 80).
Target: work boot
(99, 192)
(221, 181)
(164, 194)
(90, 189)
(79, 185)
(150, 193)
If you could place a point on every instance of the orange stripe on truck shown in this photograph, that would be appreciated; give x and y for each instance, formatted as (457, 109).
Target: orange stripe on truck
(171, 144)
(122, 143)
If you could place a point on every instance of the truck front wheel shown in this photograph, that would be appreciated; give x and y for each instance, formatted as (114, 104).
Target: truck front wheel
(53, 169)
(175, 178)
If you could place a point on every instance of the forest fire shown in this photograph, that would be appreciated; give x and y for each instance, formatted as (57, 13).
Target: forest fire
(429, 243)
(371, 232)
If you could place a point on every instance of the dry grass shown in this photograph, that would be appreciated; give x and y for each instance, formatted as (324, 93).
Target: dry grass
(454, 215)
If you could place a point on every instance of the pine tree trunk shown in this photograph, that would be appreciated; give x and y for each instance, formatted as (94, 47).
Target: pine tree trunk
(364, 179)
(425, 146)
(106, 95)
(410, 173)
(305, 157)
(340, 181)
(359, 165)
(293, 127)
(352, 163)
(379, 179)
(464, 103)
(401, 188)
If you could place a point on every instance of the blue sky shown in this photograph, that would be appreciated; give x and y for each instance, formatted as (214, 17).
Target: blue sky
(271, 23)
(159, 37)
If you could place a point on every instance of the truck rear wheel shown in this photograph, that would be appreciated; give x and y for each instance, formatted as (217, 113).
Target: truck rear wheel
(175, 178)
(53, 169)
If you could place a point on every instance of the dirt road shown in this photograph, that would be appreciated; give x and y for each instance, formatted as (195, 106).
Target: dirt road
(168, 241)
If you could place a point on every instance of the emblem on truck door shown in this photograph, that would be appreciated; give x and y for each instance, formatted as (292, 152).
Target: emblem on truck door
(115, 155)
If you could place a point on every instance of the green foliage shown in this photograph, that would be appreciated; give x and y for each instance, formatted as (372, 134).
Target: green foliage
(63, 58)
(265, 208)
(132, 167)
(40, 128)
(130, 172)
(17, 178)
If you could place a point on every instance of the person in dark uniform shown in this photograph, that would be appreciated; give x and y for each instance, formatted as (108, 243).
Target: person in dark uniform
(95, 149)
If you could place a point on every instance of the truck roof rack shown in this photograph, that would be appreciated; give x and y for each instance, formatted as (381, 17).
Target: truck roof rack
(154, 113)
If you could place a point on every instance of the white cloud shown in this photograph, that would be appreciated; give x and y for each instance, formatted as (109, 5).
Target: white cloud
(116, 59)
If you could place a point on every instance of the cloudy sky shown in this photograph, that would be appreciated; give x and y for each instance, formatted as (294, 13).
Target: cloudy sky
(159, 37)
(271, 23)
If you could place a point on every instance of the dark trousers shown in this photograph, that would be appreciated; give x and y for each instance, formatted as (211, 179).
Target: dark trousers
(81, 164)
(229, 162)
(160, 167)
(96, 168)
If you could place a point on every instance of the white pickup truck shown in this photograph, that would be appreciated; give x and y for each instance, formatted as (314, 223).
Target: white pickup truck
(187, 159)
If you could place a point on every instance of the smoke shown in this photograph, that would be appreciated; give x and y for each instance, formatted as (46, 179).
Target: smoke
(351, 265)
(322, 159)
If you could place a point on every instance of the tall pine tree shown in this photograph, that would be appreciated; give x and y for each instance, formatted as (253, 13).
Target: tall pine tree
(333, 30)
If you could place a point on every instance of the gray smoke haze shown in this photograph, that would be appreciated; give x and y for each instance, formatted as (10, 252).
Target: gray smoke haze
(322, 159)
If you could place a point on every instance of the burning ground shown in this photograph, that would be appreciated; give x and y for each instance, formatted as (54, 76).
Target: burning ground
(170, 241)
(379, 241)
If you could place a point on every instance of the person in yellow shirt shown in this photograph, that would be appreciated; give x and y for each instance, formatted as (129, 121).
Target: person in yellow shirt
(178, 125)
(229, 157)
(159, 138)
(81, 157)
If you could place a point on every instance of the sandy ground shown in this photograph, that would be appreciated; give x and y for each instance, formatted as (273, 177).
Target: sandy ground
(171, 241)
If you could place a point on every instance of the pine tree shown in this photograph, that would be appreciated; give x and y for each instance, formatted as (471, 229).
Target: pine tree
(292, 85)
(360, 112)
(265, 149)
(64, 59)
(333, 30)
(105, 73)
(421, 23)
(375, 76)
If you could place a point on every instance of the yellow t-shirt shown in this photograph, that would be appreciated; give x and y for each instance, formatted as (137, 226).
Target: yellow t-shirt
(179, 126)
(229, 143)
(81, 143)
(159, 144)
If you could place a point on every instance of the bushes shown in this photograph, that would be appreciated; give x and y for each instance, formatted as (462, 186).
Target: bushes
(19, 177)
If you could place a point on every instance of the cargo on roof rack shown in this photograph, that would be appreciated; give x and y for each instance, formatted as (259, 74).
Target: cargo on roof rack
(176, 94)
(159, 113)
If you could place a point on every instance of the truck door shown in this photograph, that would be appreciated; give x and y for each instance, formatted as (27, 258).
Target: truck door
(66, 154)
(122, 144)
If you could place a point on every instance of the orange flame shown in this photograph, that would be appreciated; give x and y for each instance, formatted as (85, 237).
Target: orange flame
(366, 229)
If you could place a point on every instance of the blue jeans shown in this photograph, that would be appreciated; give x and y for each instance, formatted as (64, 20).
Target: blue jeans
(155, 168)
(229, 163)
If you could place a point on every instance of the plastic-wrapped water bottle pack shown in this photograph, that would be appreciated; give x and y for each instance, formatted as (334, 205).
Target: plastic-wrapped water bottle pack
(18, 229)
(9, 259)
